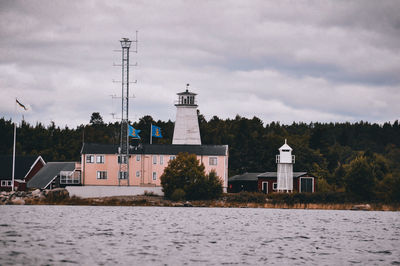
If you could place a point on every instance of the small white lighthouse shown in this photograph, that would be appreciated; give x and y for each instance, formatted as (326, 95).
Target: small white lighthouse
(285, 161)
(186, 130)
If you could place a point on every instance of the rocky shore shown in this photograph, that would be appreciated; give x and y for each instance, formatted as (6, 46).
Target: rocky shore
(61, 196)
(35, 196)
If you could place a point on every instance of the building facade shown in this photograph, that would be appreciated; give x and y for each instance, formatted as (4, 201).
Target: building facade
(267, 182)
(100, 163)
(302, 182)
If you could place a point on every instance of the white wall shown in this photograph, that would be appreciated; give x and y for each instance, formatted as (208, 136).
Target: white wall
(109, 191)
(186, 130)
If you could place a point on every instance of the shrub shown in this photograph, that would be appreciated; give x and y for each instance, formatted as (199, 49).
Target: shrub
(247, 197)
(178, 194)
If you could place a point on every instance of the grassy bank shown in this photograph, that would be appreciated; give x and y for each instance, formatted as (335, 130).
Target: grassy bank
(228, 201)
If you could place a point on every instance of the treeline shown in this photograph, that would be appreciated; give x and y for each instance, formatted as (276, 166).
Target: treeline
(344, 156)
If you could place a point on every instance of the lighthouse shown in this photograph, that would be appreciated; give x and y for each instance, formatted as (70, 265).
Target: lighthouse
(186, 130)
(285, 161)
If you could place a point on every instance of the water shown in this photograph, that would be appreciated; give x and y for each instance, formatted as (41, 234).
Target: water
(85, 235)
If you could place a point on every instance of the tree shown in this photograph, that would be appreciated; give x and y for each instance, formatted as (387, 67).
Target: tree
(359, 179)
(186, 174)
(96, 119)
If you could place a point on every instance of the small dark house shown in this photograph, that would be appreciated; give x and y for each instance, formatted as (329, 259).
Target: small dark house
(244, 182)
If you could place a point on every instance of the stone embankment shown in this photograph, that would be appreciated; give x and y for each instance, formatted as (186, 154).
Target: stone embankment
(33, 197)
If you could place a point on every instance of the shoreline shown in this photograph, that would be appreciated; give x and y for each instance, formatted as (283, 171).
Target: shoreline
(61, 197)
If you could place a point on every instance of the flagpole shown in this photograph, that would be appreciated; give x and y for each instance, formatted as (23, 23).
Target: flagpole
(13, 169)
(151, 133)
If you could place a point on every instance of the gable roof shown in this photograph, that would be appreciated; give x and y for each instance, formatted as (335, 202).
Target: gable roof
(23, 165)
(165, 149)
(48, 173)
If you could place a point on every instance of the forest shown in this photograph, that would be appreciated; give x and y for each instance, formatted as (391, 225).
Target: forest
(358, 157)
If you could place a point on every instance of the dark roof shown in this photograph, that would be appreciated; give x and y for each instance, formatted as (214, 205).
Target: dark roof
(48, 173)
(167, 149)
(255, 176)
(22, 166)
(274, 174)
(244, 177)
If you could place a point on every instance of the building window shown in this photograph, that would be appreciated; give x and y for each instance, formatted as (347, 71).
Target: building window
(100, 159)
(154, 159)
(172, 157)
(306, 184)
(264, 187)
(6, 183)
(154, 176)
(123, 175)
(161, 159)
(274, 186)
(90, 158)
(138, 157)
(122, 159)
(101, 174)
(213, 161)
(70, 177)
(137, 173)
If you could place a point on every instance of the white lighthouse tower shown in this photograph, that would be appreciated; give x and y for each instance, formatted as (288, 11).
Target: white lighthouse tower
(285, 161)
(186, 129)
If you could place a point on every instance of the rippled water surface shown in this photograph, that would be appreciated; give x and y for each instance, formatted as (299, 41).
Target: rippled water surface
(54, 235)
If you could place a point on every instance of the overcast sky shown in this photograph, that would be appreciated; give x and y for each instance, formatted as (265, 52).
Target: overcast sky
(326, 61)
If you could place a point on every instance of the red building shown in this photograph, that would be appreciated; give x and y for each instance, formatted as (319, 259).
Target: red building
(267, 182)
(25, 168)
(302, 182)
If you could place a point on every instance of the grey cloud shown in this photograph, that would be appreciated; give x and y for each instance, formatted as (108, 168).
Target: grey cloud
(282, 61)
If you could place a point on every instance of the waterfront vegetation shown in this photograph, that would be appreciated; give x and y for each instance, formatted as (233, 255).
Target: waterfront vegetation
(185, 178)
(359, 161)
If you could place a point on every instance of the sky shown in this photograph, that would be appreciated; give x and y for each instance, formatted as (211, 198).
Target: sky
(287, 61)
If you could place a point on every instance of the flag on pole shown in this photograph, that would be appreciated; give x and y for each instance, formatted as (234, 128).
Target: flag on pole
(156, 131)
(134, 133)
(20, 104)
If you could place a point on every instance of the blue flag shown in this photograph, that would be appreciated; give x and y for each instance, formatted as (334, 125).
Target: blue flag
(134, 133)
(156, 131)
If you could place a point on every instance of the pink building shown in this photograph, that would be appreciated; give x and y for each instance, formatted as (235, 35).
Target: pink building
(100, 165)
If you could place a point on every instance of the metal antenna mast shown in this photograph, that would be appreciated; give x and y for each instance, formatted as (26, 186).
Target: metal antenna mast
(124, 146)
